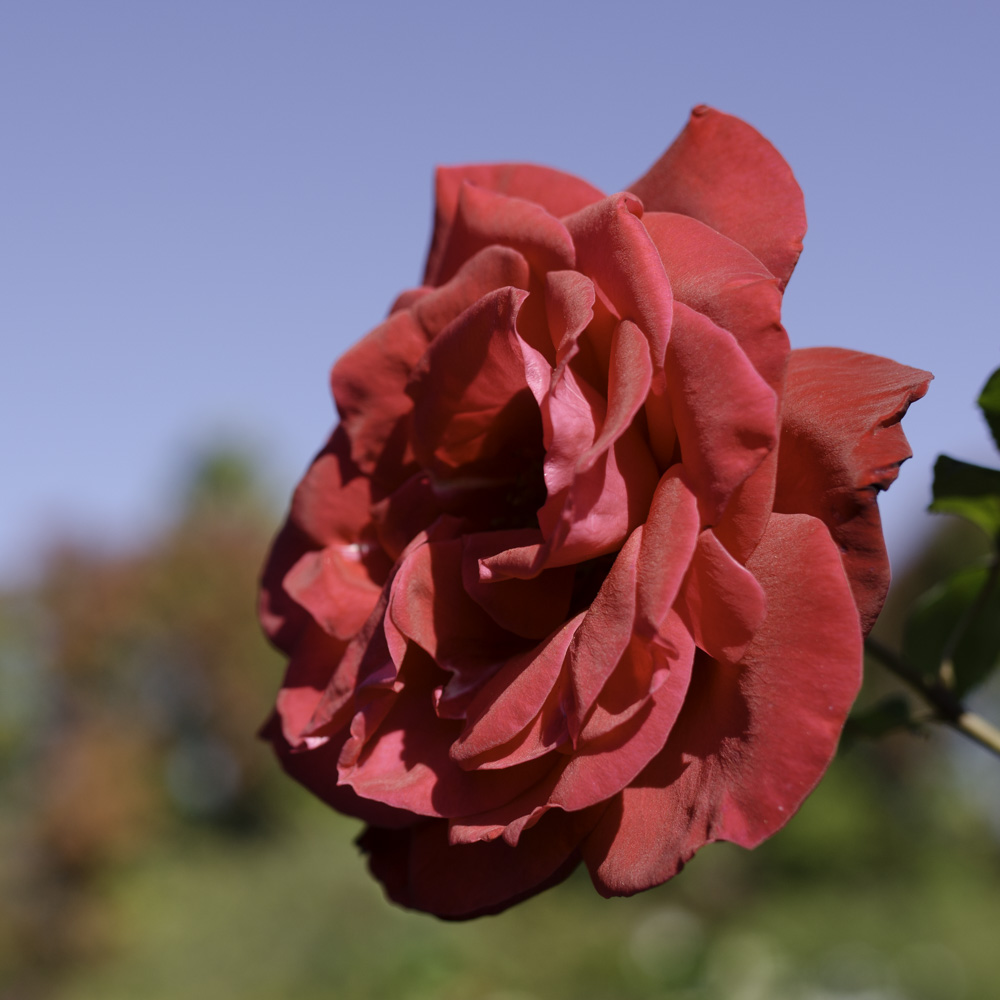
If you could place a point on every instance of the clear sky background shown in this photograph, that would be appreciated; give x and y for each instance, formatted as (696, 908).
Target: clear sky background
(204, 203)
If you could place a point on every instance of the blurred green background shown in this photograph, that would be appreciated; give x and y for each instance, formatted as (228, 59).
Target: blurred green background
(150, 848)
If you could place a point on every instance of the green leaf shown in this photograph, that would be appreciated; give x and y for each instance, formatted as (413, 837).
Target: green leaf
(989, 402)
(966, 608)
(970, 491)
(887, 715)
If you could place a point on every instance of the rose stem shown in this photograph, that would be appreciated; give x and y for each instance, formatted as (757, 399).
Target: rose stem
(946, 706)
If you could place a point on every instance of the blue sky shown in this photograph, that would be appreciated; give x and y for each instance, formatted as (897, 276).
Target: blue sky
(204, 203)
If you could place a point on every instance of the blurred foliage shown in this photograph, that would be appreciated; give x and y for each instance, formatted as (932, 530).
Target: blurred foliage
(150, 849)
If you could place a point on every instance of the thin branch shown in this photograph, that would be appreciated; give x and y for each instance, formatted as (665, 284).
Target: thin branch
(946, 706)
(947, 671)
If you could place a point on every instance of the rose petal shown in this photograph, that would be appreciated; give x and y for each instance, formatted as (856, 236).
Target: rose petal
(724, 173)
(429, 606)
(724, 412)
(841, 443)
(614, 249)
(569, 307)
(721, 601)
(484, 218)
(331, 505)
(612, 757)
(530, 608)
(607, 761)
(669, 537)
(317, 770)
(369, 385)
(490, 269)
(753, 740)
(421, 870)
(471, 400)
(511, 701)
(557, 192)
(603, 636)
(336, 587)
(405, 763)
(312, 665)
(728, 284)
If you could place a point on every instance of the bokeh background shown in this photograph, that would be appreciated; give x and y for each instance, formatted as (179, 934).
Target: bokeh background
(203, 204)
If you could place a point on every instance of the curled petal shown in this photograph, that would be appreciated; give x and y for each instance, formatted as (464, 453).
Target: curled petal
(405, 763)
(313, 665)
(316, 769)
(603, 636)
(430, 607)
(336, 587)
(841, 443)
(569, 308)
(669, 537)
(724, 173)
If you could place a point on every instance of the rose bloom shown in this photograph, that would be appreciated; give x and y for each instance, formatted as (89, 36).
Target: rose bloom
(584, 571)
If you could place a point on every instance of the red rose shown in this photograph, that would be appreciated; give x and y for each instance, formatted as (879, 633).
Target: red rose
(584, 571)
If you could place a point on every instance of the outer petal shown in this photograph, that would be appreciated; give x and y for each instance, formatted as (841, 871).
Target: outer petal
(751, 741)
(841, 443)
(726, 174)
(557, 192)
